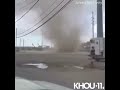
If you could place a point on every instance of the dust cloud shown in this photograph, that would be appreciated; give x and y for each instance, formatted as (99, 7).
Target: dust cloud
(64, 38)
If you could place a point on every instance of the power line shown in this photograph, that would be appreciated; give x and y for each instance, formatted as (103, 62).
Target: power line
(48, 8)
(27, 11)
(39, 16)
(48, 19)
(27, 4)
(42, 18)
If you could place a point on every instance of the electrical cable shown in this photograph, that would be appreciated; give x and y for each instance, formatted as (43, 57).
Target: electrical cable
(27, 11)
(42, 18)
(48, 19)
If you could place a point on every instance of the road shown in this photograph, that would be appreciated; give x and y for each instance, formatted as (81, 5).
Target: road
(60, 69)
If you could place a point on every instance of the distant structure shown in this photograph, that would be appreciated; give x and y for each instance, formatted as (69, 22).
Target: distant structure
(33, 45)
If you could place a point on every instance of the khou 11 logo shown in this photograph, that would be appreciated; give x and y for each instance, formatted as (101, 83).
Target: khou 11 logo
(87, 85)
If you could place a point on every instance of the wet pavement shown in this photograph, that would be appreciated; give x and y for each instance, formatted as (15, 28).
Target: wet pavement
(63, 69)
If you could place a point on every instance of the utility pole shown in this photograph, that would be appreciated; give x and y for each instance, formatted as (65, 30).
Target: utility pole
(92, 25)
(20, 44)
(42, 38)
(23, 44)
(20, 41)
(16, 37)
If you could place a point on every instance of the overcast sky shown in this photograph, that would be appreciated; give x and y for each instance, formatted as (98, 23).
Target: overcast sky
(75, 13)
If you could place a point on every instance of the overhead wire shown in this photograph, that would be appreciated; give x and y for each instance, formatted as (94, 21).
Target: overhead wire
(41, 15)
(27, 11)
(47, 20)
(27, 4)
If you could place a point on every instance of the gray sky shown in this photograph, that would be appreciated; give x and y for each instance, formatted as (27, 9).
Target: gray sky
(74, 14)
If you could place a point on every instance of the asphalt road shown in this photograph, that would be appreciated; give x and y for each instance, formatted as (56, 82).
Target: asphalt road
(60, 69)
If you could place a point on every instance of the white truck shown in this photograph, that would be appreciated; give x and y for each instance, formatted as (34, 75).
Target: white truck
(99, 46)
